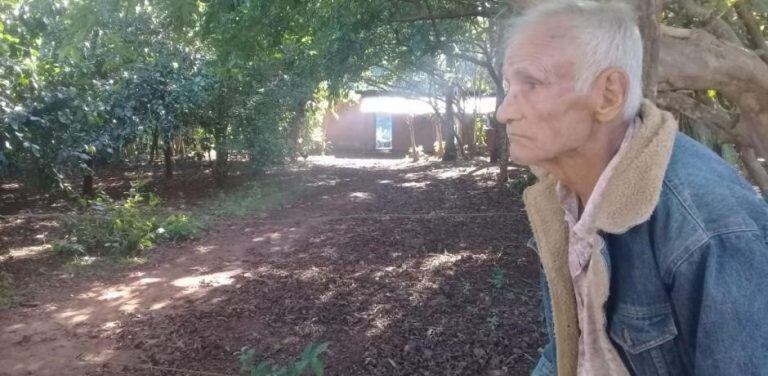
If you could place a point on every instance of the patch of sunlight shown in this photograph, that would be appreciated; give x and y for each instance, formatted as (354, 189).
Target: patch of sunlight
(131, 261)
(324, 183)
(25, 252)
(414, 184)
(326, 296)
(259, 239)
(414, 176)
(311, 273)
(159, 305)
(447, 174)
(361, 196)
(99, 357)
(130, 306)
(147, 281)
(204, 248)
(441, 260)
(113, 293)
(207, 280)
(379, 322)
(13, 328)
(360, 163)
(436, 261)
(110, 325)
(83, 260)
(76, 316)
(385, 181)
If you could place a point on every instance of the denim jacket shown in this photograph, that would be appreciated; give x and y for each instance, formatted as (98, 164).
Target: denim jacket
(684, 269)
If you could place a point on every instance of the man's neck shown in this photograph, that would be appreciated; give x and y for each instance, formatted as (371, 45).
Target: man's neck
(580, 169)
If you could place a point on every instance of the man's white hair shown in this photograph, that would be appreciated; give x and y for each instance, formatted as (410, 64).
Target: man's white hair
(608, 36)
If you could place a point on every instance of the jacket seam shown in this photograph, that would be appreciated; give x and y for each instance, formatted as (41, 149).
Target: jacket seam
(688, 210)
(684, 257)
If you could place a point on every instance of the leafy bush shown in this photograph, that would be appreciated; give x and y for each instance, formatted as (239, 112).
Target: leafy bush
(122, 228)
(178, 227)
(309, 362)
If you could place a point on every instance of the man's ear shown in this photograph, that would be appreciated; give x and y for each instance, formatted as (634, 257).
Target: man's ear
(610, 94)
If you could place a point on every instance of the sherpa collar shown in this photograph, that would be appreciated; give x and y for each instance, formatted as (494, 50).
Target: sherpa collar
(630, 197)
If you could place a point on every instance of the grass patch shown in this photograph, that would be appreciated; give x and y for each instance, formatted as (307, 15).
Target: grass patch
(108, 228)
(253, 197)
(106, 235)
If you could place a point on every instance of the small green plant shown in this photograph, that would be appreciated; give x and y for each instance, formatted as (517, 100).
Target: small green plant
(308, 363)
(466, 287)
(178, 227)
(498, 277)
(493, 322)
(121, 228)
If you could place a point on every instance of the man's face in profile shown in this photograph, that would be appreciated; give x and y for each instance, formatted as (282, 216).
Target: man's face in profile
(546, 118)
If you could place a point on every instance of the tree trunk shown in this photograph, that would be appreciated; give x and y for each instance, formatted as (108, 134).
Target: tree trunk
(181, 149)
(468, 135)
(439, 137)
(502, 143)
(414, 150)
(756, 38)
(222, 153)
(648, 23)
(88, 189)
(168, 157)
(153, 147)
(449, 131)
(294, 130)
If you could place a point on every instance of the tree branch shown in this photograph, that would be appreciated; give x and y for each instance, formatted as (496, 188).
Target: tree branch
(719, 121)
(649, 28)
(710, 19)
(756, 37)
(696, 60)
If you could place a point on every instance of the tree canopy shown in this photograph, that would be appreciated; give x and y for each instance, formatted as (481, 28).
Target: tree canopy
(91, 82)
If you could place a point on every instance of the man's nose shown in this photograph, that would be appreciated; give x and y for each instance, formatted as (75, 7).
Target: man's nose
(508, 110)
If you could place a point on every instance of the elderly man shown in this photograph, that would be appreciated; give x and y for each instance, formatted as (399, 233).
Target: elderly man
(653, 249)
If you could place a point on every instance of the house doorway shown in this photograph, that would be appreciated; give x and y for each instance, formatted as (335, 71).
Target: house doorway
(383, 132)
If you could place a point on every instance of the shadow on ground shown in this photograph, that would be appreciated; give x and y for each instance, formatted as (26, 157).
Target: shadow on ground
(378, 257)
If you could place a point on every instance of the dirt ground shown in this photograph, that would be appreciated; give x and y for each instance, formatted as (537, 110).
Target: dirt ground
(405, 269)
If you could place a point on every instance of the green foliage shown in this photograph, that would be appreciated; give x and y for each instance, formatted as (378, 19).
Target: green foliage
(122, 228)
(253, 197)
(492, 321)
(308, 363)
(111, 228)
(498, 277)
(178, 227)
(521, 181)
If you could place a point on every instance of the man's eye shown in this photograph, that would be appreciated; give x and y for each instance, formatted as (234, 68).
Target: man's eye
(530, 85)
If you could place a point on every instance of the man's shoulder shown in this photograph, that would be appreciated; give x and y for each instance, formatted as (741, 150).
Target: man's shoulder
(705, 189)
(702, 196)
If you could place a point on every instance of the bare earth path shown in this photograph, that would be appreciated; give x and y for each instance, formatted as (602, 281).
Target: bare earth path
(406, 270)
